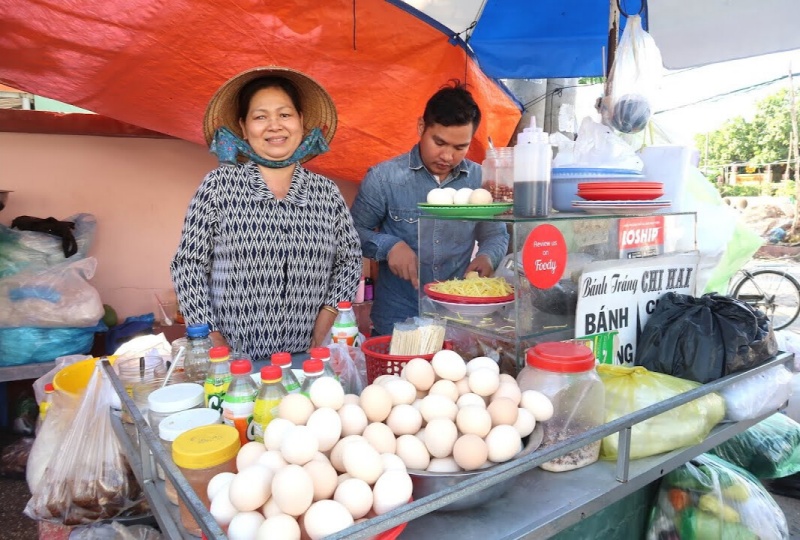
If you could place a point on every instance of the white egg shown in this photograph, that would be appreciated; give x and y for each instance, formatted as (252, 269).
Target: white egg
(392, 490)
(445, 388)
(324, 477)
(251, 488)
(470, 399)
(419, 372)
(249, 454)
(217, 483)
(327, 392)
(484, 382)
(299, 445)
(402, 392)
(362, 461)
(413, 452)
(245, 525)
(508, 390)
(338, 451)
(293, 490)
(381, 437)
(438, 406)
(503, 442)
(440, 436)
(376, 402)
(222, 509)
(272, 459)
(451, 191)
(350, 398)
(295, 408)
(279, 526)
(355, 495)
(525, 422)
(354, 420)
(474, 419)
(482, 362)
(538, 404)
(325, 518)
(446, 465)
(392, 463)
(480, 196)
(326, 425)
(270, 509)
(462, 196)
(439, 196)
(404, 420)
(276, 431)
(449, 365)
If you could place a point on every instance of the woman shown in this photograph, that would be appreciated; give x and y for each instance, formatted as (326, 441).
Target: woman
(268, 248)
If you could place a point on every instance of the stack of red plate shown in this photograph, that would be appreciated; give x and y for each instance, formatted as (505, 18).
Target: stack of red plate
(620, 191)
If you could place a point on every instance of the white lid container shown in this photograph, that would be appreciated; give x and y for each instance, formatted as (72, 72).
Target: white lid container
(175, 424)
(176, 397)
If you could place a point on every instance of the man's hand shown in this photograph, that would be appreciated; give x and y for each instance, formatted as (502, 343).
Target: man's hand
(322, 328)
(482, 265)
(403, 262)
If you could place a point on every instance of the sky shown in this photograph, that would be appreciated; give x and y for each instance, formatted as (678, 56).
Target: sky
(683, 87)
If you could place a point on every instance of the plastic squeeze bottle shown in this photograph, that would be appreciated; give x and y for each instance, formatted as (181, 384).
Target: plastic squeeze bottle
(44, 405)
(196, 361)
(345, 327)
(218, 378)
(324, 354)
(289, 381)
(267, 401)
(533, 158)
(313, 370)
(239, 400)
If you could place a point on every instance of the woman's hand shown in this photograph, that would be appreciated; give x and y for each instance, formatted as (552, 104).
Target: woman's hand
(218, 340)
(322, 327)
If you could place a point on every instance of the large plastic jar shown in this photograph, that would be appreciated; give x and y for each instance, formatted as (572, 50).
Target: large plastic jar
(177, 424)
(171, 399)
(202, 453)
(498, 174)
(565, 373)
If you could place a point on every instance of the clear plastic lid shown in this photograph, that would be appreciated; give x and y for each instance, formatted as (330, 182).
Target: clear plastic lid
(176, 397)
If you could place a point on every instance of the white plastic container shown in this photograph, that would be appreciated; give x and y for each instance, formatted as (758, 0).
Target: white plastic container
(533, 160)
(793, 409)
(670, 165)
(171, 399)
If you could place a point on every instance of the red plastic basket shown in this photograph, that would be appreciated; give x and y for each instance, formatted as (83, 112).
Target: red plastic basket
(380, 362)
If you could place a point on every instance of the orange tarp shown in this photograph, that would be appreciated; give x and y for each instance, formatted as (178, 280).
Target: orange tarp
(155, 64)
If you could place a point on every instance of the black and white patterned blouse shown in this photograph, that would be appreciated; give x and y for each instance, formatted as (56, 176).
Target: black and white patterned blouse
(258, 269)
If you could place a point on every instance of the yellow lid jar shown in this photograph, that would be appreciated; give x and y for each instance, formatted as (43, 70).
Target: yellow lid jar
(202, 453)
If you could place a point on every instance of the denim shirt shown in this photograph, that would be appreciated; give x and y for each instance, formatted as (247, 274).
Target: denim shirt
(385, 212)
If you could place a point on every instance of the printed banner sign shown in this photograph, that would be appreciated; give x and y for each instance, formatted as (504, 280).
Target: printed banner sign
(641, 237)
(616, 298)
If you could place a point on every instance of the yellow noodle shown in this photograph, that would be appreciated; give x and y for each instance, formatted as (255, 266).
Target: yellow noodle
(474, 287)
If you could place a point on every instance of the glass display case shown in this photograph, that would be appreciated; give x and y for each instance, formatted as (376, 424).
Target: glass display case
(544, 263)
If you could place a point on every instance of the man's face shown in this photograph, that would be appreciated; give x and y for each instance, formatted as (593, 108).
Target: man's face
(443, 147)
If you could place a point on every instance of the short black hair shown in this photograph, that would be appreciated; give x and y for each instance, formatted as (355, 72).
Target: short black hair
(452, 105)
(252, 87)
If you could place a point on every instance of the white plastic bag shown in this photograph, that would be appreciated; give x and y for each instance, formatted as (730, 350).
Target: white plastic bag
(350, 365)
(596, 146)
(54, 297)
(757, 395)
(633, 80)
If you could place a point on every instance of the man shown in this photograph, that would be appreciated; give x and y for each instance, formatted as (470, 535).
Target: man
(386, 215)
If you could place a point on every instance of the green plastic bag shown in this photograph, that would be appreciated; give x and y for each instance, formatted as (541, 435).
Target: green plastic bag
(629, 389)
(770, 449)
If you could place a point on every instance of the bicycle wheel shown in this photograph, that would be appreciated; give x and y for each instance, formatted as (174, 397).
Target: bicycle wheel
(774, 292)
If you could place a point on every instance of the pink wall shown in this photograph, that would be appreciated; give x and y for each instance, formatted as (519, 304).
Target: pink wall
(137, 188)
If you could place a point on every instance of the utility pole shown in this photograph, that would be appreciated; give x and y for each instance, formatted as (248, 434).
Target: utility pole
(794, 151)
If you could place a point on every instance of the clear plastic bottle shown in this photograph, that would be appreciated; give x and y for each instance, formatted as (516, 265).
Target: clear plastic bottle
(218, 378)
(497, 171)
(533, 162)
(267, 401)
(196, 361)
(288, 379)
(345, 327)
(239, 400)
(324, 354)
(313, 370)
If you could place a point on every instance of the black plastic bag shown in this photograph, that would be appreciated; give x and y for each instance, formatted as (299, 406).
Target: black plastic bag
(704, 339)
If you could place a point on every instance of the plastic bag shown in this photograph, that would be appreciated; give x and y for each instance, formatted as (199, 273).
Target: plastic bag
(89, 479)
(26, 345)
(633, 80)
(29, 249)
(14, 457)
(59, 296)
(788, 341)
(596, 146)
(769, 449)
(48, 441)
(704, 339)
(61, 362)
(115, 531)
(630, 389)
(350, 365)
(711, 499)
(758, 394)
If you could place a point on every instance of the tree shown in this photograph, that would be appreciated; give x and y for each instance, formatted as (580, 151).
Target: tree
(765, 139)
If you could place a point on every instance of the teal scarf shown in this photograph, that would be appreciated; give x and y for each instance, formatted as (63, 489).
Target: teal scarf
(227, 147)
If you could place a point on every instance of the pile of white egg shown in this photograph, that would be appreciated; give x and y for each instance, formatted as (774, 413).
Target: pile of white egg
(444, 196)
(332, 460)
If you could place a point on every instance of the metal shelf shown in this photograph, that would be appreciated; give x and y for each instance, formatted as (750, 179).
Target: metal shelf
(25, 371)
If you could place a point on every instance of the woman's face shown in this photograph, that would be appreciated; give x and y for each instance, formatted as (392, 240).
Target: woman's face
(273, 127)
